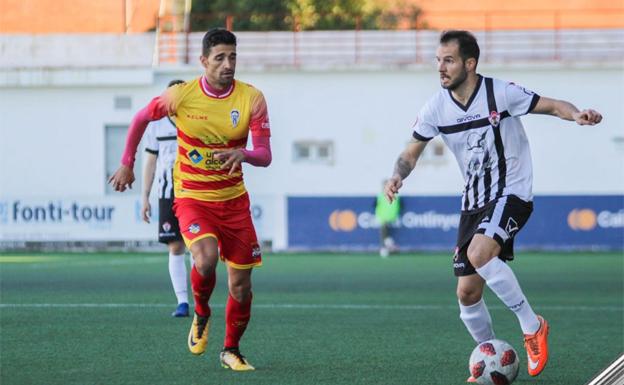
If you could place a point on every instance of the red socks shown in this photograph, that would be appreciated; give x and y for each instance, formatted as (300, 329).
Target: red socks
(202, 289)
(237, 317)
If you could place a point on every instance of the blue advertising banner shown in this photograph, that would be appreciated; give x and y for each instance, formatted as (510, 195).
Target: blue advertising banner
(430, 223)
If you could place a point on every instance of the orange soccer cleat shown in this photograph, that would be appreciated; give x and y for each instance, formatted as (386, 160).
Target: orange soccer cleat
(536, 346)
(471, 380)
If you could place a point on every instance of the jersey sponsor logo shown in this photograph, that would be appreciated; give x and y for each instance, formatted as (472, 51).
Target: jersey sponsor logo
(197, 117)
(235, 116)
(195, 156)
(166, 227)
(494, 118)
(512, 227)
(468, 118)
(194, 228)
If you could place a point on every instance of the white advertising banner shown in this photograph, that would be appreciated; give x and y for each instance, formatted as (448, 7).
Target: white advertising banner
(109, 218)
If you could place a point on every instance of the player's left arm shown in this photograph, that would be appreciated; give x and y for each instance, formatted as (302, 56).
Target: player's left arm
(260, 154)
(567, 111)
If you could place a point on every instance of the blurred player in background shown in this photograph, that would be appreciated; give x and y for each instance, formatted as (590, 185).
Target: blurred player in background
(478, 119)
(161, 149)
(386, 213)
(214, 115)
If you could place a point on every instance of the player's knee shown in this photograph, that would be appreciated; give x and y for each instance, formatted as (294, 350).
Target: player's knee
(240, 290)
(468, 296)
(177, 247)
(477, 256)
(205, 261)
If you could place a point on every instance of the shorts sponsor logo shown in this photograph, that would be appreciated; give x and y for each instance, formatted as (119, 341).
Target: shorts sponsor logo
(195, 156)
(194, 228)
(166, 227)
(459, 265)
(235, 116)
(512, 227)
(256, 252)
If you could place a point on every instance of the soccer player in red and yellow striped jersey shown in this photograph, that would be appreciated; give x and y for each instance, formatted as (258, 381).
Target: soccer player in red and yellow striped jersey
(214, 115)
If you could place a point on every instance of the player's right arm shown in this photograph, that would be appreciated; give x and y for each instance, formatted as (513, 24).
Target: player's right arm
(149, 169)
(403, 167)
(158, 108)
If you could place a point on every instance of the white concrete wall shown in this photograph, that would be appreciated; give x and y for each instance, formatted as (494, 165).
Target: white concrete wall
(54, 135)
(52, 123)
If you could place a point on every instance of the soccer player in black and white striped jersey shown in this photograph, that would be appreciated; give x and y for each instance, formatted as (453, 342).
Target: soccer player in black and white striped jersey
(479, 120)
(161, 149)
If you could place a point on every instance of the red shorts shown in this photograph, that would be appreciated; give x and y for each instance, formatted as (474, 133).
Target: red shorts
(229, 222)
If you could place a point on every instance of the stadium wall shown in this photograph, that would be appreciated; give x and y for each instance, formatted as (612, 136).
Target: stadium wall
(53, 149)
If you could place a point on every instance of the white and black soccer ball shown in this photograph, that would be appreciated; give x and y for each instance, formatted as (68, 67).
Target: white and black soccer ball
(494, 362)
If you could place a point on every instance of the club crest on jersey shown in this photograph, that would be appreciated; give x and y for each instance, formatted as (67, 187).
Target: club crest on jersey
(235, 116)
(194, 228)
(195, 156)
(494, 118)
(166, 227)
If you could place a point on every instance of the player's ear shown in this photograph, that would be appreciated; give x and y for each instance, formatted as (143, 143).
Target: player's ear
(471, 64)
(203, 60)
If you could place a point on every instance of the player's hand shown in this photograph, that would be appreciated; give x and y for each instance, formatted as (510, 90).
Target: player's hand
(587, 117)
(392, 187)
(122, 179)
(146, 211)
(231, 159)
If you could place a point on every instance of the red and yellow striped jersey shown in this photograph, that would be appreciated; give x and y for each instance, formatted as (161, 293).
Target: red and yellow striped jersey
(206, 123)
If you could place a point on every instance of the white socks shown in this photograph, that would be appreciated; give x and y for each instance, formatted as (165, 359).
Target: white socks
(502, 281)
(477, 320)
(177, 272)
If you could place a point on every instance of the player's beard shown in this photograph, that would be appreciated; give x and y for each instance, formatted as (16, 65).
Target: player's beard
(459, 80)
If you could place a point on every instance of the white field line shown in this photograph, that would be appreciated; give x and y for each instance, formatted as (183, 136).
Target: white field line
(301, 306)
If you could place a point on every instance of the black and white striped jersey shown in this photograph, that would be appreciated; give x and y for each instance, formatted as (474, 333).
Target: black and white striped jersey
(487, 138)
(161, 140)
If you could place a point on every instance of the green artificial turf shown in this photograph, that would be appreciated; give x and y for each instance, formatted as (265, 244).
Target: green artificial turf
(317, 319)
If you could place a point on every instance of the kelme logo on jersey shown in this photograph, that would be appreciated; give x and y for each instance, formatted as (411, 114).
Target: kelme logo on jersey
(195, 156)
(194, 228)
(494, 118)
(235, 116)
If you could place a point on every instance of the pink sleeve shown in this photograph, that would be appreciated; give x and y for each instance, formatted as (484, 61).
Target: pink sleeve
(154, 111)
(260, 155)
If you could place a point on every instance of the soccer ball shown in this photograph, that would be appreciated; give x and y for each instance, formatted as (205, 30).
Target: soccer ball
(494, 362)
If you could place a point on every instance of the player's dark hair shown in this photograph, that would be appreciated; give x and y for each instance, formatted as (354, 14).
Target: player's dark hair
(217, 36)
(468, 46)
(174, 82)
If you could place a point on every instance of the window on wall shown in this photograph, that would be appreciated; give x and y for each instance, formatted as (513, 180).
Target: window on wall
(313, 152)
(115, 142)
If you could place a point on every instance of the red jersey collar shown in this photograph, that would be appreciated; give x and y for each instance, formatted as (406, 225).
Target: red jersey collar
(214, 93)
